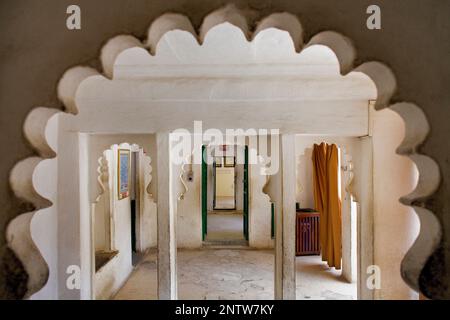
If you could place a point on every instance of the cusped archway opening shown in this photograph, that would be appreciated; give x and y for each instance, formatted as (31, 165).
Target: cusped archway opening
(273, 82)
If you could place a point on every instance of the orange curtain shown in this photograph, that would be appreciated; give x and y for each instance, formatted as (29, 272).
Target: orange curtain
(326, 197)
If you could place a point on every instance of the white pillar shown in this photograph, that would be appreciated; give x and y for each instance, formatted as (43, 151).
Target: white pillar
(282, 193)
(69, 229)
(167, 250)
(289, 213)
(365, 220)
(276, 196)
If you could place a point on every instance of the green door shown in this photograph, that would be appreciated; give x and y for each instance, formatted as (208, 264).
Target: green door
(204, 194)
(246, 194)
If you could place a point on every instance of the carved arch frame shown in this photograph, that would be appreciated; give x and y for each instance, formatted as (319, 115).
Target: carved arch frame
(30, 178)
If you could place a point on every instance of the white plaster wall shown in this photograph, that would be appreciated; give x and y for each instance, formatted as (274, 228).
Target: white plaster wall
(395, 225)
(101, 214)
(147, 224)
(260, 211)
(225, 182)
(303, 154)
(189, 219)
(189, 207)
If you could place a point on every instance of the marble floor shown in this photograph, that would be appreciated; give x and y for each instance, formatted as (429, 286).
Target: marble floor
(241, 274)
(226, 225)
(316, 281)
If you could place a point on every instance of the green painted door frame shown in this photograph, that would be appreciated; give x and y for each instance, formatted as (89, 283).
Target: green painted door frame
(204, 194)
(246, 194)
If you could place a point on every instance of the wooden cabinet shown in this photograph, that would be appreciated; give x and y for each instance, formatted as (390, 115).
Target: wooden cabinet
(307, 233)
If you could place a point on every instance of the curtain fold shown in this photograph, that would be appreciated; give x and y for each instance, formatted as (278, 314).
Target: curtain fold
(325, 160)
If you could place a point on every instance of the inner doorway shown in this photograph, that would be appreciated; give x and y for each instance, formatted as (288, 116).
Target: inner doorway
(135, 207)
(224, 174)
(326, 216)
(225, 195)
(123, 222)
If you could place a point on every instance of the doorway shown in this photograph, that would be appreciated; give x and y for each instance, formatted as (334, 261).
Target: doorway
(225, 195)
(325, 171)
(123, 222)
(224, 176)
(135, 207)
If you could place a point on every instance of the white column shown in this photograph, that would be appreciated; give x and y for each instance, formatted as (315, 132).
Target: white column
(70, 217)
(276, 196)
(282, 192)
(167, 250)
(365, 219)
(289, 213)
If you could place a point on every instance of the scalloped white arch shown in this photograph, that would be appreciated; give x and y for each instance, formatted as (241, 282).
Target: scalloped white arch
(40, 126)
